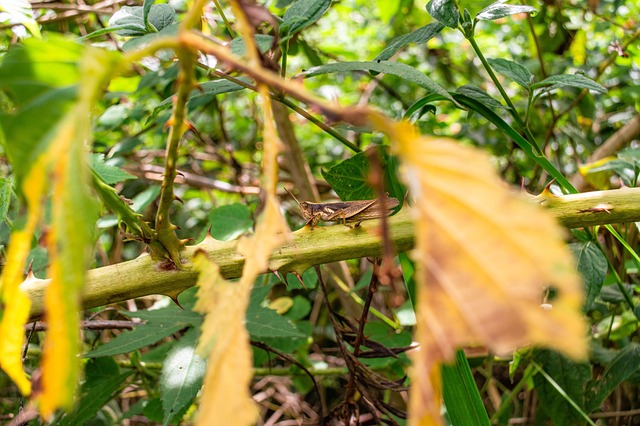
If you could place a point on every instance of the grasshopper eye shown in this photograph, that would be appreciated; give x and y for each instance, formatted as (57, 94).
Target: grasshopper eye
(304, 205)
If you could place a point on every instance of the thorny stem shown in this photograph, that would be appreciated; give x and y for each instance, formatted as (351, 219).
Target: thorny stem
(178, 122)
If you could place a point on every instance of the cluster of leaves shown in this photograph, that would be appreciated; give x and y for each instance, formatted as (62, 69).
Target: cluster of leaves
(296, 322)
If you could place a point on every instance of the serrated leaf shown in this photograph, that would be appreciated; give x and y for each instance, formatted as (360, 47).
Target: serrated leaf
(444, 11)
(495, 266)
(95, 394)
(181, 377)
(513, 70)
(480, 95)
(419, 36)
(161, 16)
(300, 15)
(398, 69)
(592, 265)
(229, 222)
(110, 174)
(499, 10)
(625, 363)
(349, 178)
(569, 80)
(571, 377)
(264, 322)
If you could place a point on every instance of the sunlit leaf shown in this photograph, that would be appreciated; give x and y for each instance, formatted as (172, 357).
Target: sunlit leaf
(499, 10)
(300, 15)
(20, 12)
(484, 255)
(444, 11)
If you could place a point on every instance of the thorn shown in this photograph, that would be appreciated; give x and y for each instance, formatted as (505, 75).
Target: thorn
(299, 277)
(174, 297)
(178, 199)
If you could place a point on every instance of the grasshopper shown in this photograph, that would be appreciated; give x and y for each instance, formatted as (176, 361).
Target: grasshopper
(346, 211)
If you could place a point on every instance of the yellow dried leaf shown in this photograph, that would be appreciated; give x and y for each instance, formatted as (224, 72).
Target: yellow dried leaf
(16, 303)
(225, 397)
(484, 257)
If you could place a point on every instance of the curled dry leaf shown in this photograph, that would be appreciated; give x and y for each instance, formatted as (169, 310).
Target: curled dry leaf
(485, 256)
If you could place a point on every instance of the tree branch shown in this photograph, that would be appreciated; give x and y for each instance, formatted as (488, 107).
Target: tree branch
(143, 276)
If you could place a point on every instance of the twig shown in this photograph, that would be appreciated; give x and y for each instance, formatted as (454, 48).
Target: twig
(298, 364)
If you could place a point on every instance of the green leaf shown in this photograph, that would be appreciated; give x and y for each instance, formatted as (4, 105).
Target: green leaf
(444, 11)
(570, 80)
(146, 8)
(40, 66)
(570, 376)
(137, 42)
(263, 322)
(229, 222)
(131, 19)
(129, 341)
(6, 186)
(160, 324)
(349, 177)
(398, 69)
(309, 278)
(461, 395)
(95, 394)
(101, 368)
(513, 70)
(263, 42)
(593, 267)
(476, 93)
(181, 377)
(300, 15)
(499, 10)
(419, 36)
(626, 363)
(109, 174)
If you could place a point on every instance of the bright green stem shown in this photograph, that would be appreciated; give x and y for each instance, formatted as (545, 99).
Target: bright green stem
(178, 121)
(320, 124)
(133, 220)
(512, 108)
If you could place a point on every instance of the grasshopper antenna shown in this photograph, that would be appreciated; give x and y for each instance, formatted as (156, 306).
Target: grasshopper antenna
(290, 193)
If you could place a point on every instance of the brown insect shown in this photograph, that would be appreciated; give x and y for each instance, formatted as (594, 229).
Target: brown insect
(346, 211)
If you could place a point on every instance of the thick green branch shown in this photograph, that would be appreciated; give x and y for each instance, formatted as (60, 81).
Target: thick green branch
(143, 276)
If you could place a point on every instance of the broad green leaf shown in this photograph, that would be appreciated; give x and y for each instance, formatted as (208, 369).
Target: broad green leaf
(181, 377)
(444, 11)
(168, 315)
(472, 278)
(349, 178)
(130, 19)
(569, 80)
(461, 395)
(20, 12)
(109, 174)
(300, 15)
(513, 70)
(499, 10)
(95, 394)
(141, 336)
(398, 69)
(419, 36)
(229, 222)
(263, 322)
(479, 95)
(264, 42)
(625, 363)
(593, 267)
(571, 377)
(309, 278)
